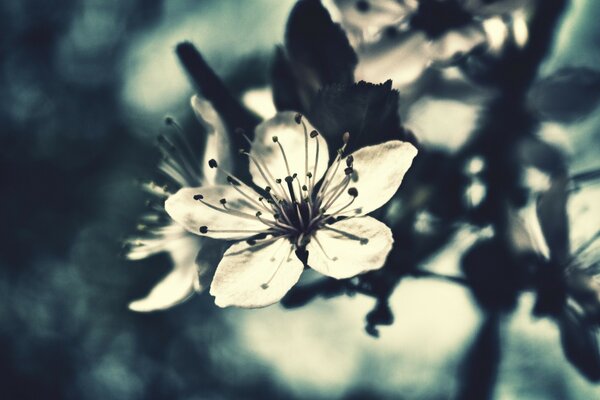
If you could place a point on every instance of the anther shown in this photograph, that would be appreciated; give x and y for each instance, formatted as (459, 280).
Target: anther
(349, 160)
(268, 189)
(203, 229)
(275, 139)
(348, 170)
(289, 179)
(169, 121)
(353, 192)
(346, 137)
(314, 134)
(212, 163)
(258, 213)
(277, 180)
(304, 188)
(309, 174)
(298, 118)
(198, 197)
(239, 131)
(223, 201)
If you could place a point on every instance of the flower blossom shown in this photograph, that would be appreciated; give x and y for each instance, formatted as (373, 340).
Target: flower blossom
(299, 211)
(192, 257)
(400, 39)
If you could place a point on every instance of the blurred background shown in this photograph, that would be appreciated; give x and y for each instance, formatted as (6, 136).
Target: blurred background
(85, 87)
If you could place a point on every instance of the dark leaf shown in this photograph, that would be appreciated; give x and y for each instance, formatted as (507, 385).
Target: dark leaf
(234, 114)
(580, 343)
(283, 82)
(367, 111)
(550, 287)
(552, 214)
(318, 53)
(567, 95)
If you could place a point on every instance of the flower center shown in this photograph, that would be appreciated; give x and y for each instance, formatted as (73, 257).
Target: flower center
(288, 207)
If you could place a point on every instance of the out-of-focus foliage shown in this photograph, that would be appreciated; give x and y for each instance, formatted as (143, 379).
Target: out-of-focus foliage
(85, 85)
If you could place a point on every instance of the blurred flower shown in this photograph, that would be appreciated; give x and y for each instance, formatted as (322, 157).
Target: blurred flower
(399, 40)
(298, 203)
(161, 234)
(567, 282)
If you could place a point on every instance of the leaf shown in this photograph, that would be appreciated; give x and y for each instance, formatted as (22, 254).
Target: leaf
(579, 340)
(367, 111)
(285, 91)
(234, 114)
(552, 214)
(567, 95)
(317, 53)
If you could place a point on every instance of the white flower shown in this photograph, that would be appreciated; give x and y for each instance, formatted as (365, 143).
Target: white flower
(400, 39)
(193, 258)
(298, 211)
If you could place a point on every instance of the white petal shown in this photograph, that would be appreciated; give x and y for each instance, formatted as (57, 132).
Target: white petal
(456, 43)
(379, 171)
(177, 285)
(217, 142)
(292, 138)
(193, 214)
(368, 24)
(357, 245)
(255, 276)
(402, 59)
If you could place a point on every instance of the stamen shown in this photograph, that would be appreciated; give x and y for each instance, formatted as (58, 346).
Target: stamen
(233, 183)
(289, 180)
(170, 152)
(323, 249)
(169, 121)
(285, 215)
(585, 245)
(262, 169)
(212, 163)
(299, 120)
(278, 181)
(287, 165)
(332, 171)
(336, 192)
(204, 229)
(266, 284)
(350, 236)
(225, 209)
(173, 170)
(352, 192)
(314, 135)
(276, 225)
